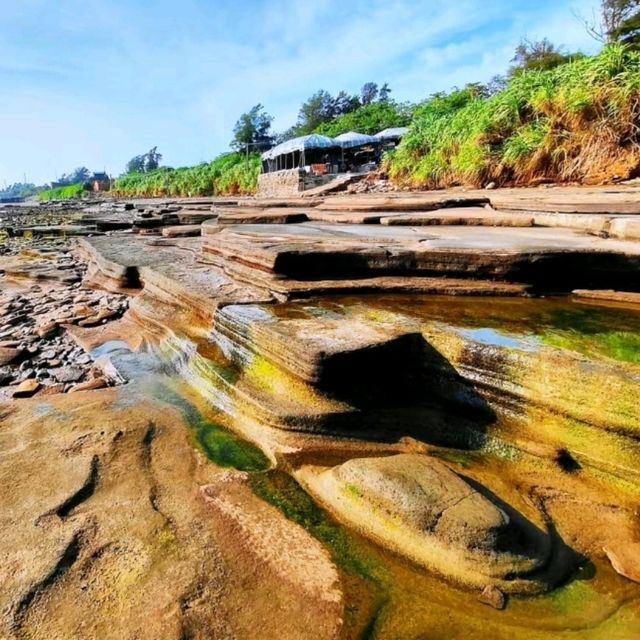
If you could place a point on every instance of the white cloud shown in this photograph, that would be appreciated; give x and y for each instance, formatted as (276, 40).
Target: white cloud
(97, 81)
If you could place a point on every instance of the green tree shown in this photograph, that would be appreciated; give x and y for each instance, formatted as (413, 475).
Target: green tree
(319, 108)
(135, 165)
(144, 163)
(152, 159)
(252, 128)
(368, 93)
(538, 55)
(344, 103)
(384, 93)
(617, 21)
(369, 119)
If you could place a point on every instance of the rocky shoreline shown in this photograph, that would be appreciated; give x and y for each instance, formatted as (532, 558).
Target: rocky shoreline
(372, 409)
(38, 355)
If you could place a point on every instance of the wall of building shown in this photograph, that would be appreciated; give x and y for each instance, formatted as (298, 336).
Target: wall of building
(289, 182)
(280, 183)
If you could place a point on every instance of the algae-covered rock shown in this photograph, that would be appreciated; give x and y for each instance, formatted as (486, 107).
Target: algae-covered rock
(417, 506)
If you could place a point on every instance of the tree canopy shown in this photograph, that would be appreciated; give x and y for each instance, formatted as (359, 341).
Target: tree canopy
(78, 175)
(321, 109)
(538, 55)
(145, 163)
(252, 129)
(616, 21)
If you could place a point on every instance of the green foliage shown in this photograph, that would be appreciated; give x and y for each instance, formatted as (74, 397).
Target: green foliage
(539, 55)
(230, 173)
(322, 109)
(369, 119)
(145, 163)
(63, 193)
(575, 121)
(253, 129)
(19, 190)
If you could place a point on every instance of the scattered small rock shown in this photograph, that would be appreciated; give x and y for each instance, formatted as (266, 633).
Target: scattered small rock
(67, 373)
(8, 355)
(94, 383)
(47, 330)
(493, 597)
(26, 388)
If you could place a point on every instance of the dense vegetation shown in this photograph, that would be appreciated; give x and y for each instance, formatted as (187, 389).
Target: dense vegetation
(230, 173)
(62, 193)
(575, 122)
(554, 116)
(369, 118)
(19, 190)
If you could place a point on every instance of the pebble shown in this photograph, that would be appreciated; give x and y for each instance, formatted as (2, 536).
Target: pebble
(26, 389)
(67, 373)
(34, 348)
(8, 355)
(493, 597)
(94, 383)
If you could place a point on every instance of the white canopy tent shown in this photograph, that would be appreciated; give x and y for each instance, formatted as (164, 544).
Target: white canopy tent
(299, 145)
(391, 133)
(353, 139)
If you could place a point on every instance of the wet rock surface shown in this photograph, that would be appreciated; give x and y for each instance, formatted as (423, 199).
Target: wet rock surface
(458, 454)
(423, 510)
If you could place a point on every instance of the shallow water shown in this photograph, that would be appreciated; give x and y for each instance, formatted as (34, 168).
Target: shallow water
(387, 596)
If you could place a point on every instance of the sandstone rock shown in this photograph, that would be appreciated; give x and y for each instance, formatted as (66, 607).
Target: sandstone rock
(493, 597)
(103, 314)
(26, 388)
(625, 559)
(419, 507)
(94, 383)
(8, 355)
(47, 330)
(51, 389)
(81, 310)
(67, 373)
(11, 344)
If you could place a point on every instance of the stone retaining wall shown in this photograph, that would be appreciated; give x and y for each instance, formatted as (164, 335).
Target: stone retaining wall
(280, 183)
(289, 182)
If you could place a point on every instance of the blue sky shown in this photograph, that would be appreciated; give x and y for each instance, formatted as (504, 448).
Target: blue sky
(95, 82)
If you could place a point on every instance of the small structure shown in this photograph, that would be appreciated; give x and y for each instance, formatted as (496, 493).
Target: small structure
(360, 152)
(299, 152)
(312, 161)
(100, 181)
(298, 164)
(390, 138)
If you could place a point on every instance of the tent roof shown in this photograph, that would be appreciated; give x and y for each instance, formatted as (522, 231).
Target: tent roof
(312, 141)
(392, 132)
(354, 139)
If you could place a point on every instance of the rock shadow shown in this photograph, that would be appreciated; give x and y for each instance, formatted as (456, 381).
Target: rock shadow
(527, 539)
(406, 388)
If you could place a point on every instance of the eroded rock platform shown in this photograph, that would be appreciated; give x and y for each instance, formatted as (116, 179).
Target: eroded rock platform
(455, 450)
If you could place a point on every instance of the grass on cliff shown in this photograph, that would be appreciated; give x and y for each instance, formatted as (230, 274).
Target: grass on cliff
(62, 193)
(228, 174)
(576, 122)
